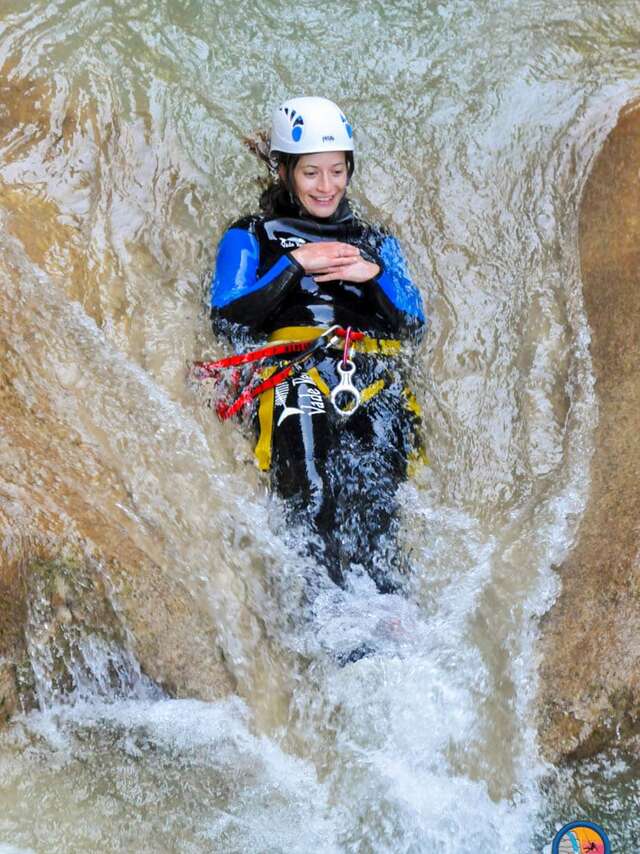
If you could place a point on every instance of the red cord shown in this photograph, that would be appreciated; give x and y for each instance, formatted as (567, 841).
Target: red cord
(347, 341)
(210, 370)
(207, 370)
(225, 411)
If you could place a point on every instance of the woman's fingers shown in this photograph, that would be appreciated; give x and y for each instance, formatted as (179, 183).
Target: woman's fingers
(333, 270)
(337, 249)
(335, 264)
(336, 272)
(326, 277)
(357, 270)
(333, 256)
(323, 255)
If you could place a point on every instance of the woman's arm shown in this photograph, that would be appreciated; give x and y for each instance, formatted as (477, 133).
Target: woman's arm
(390, 283)
(395, 292)
(237, 294)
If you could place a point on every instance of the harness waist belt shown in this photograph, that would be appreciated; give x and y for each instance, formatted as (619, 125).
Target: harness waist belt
(365, 344)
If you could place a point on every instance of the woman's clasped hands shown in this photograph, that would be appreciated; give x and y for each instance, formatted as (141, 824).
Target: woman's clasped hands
(329, 260)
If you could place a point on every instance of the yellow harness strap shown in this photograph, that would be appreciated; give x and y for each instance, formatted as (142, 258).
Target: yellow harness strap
(386, 347)
(365, 395)
(411, 403)
(314, 373)
(297, 333)
(382, 346)
(265, 420)
(371, 390)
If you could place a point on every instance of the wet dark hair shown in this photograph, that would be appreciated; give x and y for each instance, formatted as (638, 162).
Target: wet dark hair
(277, 197)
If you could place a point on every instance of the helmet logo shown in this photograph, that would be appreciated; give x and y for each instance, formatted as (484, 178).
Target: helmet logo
(328, 139)
(348, 127)
(296, 121)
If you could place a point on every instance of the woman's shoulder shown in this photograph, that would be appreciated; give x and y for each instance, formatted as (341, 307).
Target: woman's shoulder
(373, 230)
(248, 222)
(372, 236)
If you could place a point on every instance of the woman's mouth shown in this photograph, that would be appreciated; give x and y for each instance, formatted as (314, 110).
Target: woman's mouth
(323, 200)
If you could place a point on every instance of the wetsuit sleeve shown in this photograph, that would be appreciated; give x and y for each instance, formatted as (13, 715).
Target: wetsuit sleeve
(238, 294)
(398, 297)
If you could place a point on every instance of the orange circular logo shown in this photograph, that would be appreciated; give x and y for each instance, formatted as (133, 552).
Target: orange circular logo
(581, 837)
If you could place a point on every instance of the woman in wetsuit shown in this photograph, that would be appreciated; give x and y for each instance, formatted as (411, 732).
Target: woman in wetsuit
(304, 264)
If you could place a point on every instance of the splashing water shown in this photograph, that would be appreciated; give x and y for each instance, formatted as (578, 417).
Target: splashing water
(120, 165)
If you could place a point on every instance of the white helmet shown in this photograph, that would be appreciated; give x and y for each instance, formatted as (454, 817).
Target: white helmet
(306, 125)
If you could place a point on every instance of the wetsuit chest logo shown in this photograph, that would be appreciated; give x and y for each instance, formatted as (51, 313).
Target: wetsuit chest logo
(287, 234)
(290, 242)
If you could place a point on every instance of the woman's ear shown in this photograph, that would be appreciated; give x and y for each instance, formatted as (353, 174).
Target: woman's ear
(282, 174)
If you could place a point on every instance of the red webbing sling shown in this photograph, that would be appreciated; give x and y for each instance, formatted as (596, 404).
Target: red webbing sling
(206, 370)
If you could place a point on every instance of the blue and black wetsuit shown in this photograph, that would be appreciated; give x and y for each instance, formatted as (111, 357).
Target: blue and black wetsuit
(338, 475)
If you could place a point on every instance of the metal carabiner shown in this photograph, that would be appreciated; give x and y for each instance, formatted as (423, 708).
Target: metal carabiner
(346, 370)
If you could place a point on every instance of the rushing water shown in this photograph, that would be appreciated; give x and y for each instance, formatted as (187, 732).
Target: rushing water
(120, 164)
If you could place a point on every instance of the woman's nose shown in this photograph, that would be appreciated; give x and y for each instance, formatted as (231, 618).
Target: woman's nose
(324, 182)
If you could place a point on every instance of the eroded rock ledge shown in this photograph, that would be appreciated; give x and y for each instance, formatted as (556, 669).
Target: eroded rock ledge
(590, 646)
(64, 557)
(72, 567)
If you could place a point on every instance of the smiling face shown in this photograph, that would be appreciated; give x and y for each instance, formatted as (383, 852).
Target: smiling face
(320, 181)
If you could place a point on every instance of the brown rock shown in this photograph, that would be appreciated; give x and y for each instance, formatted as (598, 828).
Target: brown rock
(12, 646)
(590, 671)
(58, 494)
(58, 500)
(81, 547)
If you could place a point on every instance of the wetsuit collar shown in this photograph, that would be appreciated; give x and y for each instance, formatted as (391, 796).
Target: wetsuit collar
(342, 213)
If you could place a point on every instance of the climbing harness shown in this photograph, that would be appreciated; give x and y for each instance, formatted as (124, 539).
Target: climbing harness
(307, 346)
(306, 349)
(295, 365)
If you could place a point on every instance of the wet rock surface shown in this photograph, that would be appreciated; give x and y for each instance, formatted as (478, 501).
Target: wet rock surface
(75, 582)
(60, 518)
(80, 601)
(590, 667)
